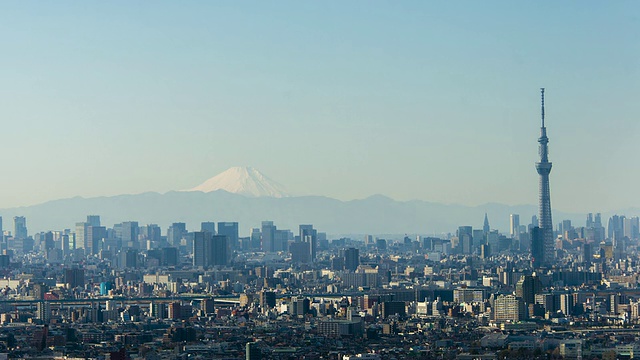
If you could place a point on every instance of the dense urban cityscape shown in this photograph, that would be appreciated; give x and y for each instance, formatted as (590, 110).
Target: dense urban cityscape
(132, 291)
(319, 180)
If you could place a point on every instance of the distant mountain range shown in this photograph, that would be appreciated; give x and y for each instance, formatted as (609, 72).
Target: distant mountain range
(249, 206)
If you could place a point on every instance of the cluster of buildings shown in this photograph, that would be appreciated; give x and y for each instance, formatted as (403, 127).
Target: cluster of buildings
(137, 292)
(133, 291)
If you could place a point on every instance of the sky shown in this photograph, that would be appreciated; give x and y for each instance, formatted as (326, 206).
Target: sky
(428, 100)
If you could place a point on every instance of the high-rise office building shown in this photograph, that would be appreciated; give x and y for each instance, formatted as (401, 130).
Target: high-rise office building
(209, 250)
(589, 223)
(465, 238)
(256, 239)
(129, 258)
(169, 256)
(310, 235)
(230, 230)
(94, 239)
(479, 238)
(47, 240)
(597, 222)
(175, 233)
(74, 278)
(587, 252)
(200, 247)
(632, 227)
(20, 227)
(65, 244)
(300, 252)
(545, 223)
(93, 220)
(81, 234)
(615, 227)
(565, 226)
(208, 226)
(151, 232)
(268, 236)
(514, 225)
(351, 258)
(130, 232)
(537, 248)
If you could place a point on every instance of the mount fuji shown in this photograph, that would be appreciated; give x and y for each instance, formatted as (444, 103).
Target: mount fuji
(245, 181)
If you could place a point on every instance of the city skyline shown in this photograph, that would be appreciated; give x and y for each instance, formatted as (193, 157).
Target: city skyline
(376, 182)
(408, 101)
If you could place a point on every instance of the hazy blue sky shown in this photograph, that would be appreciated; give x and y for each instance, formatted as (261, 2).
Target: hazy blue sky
(412, 99)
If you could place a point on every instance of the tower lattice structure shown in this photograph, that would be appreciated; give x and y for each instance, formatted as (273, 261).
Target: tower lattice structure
(544, 168)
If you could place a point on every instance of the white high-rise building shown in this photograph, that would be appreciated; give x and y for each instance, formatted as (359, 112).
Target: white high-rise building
(514, 225)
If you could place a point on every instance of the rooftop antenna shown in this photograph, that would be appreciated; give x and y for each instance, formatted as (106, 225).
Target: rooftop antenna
(542, 96)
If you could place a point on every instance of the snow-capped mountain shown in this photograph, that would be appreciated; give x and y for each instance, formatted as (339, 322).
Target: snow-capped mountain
(245, 181)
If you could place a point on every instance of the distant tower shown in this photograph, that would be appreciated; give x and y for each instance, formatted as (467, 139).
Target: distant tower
(545, 223)
(486, 228)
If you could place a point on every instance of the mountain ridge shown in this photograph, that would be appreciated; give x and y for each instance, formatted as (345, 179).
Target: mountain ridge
(376, 214)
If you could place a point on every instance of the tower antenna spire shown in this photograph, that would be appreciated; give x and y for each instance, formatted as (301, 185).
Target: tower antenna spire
(542, 98)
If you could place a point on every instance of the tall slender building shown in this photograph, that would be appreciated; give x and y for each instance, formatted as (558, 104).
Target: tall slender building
(514, 225)
(486, 228)
(545, 235)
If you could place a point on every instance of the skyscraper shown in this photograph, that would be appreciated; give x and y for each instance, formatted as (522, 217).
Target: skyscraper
(310, 235)
(514, 225)
(175, 233)
(220, 250)
(632, 227)
(351, 258)
(486, 227)
(130, 231)
(94, 236)
(465, 236)
(209, 250)
(20, 224)
(151, 232)
(93, 220)
(268, 236)
(545, 223)
(615, 227)
(81, 234)
(256, 239)
(230, 230)
(200, 247)
(208, 226)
